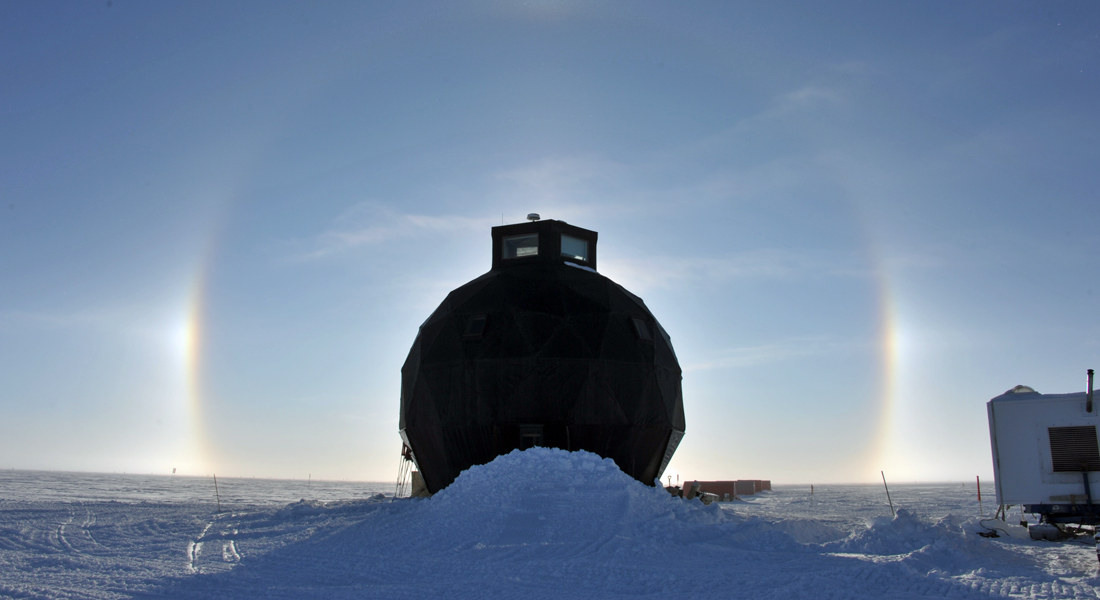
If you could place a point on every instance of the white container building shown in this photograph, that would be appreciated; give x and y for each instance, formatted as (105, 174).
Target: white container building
(1045, 452)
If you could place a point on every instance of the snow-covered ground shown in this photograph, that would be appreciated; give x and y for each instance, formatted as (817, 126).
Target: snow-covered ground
(536, 524)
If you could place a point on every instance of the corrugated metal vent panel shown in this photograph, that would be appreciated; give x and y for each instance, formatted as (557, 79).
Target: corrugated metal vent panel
(1074, 449)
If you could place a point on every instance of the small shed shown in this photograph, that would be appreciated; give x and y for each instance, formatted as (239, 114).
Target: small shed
(1045, 450)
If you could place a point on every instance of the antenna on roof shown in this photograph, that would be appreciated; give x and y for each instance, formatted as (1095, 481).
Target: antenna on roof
(533, 216)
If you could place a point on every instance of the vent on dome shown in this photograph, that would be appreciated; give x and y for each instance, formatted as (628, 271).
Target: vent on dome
(530, 436)
(475, 327)
(1074, 449)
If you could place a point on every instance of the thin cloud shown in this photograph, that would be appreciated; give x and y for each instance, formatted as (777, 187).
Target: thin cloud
(565, 173)
(119, 321)
(590, 185)
(587, 187)
(569, 184)
(784, 107)
(753, 356)
(808, 96)
(666, 272)
(80, 318)
(370, 224)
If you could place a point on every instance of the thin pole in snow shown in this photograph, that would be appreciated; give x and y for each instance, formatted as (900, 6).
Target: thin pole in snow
(892, 511)
(980, 511)
(216, 494)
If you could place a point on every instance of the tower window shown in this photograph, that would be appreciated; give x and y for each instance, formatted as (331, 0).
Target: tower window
(642, 330)
(572, 247)
(520, 246)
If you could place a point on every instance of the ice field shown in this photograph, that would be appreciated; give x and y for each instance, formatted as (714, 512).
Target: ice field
(537, 524)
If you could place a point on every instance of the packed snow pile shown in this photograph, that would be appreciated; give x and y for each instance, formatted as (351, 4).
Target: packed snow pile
(545, 496)
(535, 524)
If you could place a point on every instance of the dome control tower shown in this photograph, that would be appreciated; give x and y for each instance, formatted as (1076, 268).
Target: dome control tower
(541, 351)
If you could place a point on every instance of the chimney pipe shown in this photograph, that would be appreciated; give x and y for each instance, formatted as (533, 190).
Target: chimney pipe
(1088, 397)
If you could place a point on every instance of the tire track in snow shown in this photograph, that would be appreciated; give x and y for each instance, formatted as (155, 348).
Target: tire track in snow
(61, 540)
(229, 552)
(194, 549)
(225, 526)
(89, 521)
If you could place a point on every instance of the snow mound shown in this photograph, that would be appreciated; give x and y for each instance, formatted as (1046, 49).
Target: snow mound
(808, 531)
(902, 534)
(550, 496)
(301, 508)
(947, 545)
(539, 524)
(304, 509)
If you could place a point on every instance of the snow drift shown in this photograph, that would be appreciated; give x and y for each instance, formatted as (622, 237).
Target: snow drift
(535, 524)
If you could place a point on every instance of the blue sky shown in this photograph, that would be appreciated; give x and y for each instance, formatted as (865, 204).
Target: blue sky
(222, 223)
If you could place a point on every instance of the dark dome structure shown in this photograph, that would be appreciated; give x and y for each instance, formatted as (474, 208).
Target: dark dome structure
(541, 351)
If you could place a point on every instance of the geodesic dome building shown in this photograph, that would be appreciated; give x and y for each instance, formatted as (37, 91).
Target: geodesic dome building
(541, 351)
